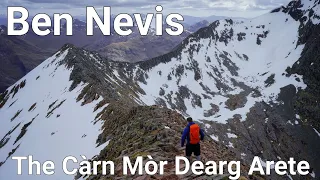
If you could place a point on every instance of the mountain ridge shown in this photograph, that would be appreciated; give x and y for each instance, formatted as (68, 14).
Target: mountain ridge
(120, 48)
(247, 89)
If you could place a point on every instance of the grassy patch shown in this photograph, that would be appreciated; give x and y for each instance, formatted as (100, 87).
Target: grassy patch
(16, 115)
(137, 154)
(225, 178)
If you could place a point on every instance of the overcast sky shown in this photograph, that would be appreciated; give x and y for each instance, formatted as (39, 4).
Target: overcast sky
(232, 8)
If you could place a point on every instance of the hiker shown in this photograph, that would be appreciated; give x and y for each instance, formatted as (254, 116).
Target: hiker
(193, 133)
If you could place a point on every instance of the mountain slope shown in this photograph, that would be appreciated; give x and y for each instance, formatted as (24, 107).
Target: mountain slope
(154, 131)
(78, 38)
(130, 48)
(18, 57)
(141, 48)
(48, 114)
(219, 61)
(238, 73)
(59, 117)
(246, 82)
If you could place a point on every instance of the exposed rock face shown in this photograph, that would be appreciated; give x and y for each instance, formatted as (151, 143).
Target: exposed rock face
(18, 57)
(270, 132)
(308, 65)
(236, 101)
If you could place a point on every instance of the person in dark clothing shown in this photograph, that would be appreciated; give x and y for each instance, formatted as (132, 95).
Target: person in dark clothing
(193, 134)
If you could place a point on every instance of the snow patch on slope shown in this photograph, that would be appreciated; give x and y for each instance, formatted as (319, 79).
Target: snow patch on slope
(266, 62)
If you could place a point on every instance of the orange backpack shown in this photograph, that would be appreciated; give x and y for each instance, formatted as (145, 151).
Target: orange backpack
(194, 134)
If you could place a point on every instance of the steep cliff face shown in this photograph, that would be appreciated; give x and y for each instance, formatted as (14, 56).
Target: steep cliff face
(307, 100)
